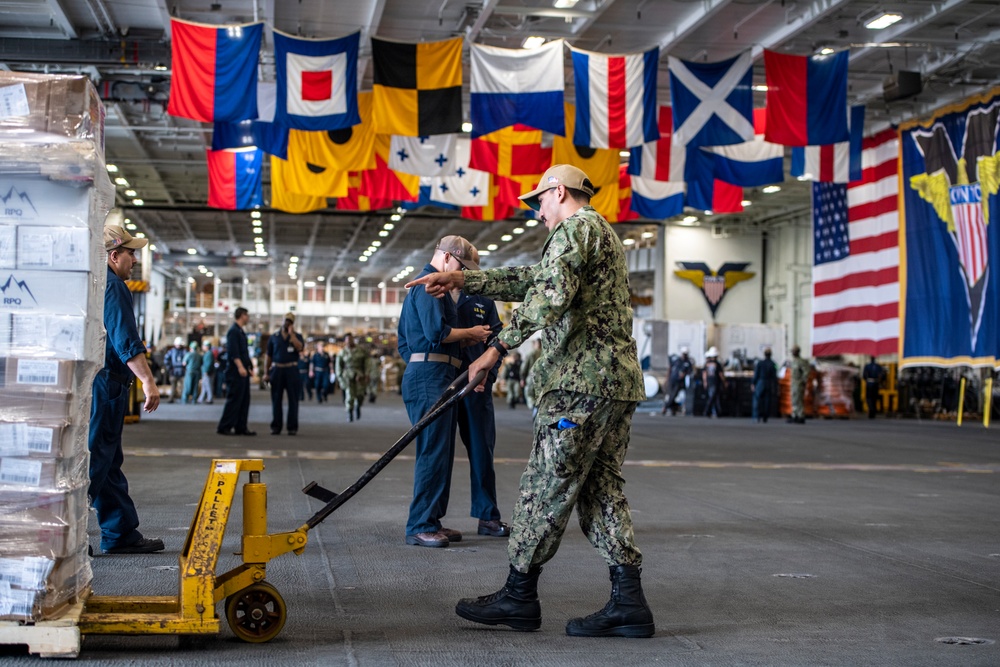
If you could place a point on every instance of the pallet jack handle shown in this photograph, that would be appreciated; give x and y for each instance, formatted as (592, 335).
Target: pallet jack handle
(459, 388)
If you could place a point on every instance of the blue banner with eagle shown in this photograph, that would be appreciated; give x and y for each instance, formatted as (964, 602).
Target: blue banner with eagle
(951, 293)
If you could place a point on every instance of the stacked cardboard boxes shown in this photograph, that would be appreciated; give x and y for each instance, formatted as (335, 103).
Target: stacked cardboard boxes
(54, 196)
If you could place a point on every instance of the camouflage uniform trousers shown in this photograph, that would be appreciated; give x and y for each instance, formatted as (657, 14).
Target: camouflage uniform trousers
(798, 400)
(576, 467)
(354, 393)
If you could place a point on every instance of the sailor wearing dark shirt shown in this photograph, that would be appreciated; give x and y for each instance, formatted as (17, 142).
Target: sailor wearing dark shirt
(237, 408)
(283, 348)
(124, 360)
(429, 340)
(476, 420)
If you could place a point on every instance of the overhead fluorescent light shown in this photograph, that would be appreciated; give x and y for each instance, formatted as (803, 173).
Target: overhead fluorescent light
(759, 88)
(628, 241)
(689, 220)
(112, 168)
(883, 21)
(771, 189)
(466, 126)
(746, 202)
(826, 51)
(565, 4)
(532, 42)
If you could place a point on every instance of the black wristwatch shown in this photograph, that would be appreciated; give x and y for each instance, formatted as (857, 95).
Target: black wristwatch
(498, 346)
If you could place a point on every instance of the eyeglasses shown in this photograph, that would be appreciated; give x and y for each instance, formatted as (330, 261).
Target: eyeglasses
(460, 262)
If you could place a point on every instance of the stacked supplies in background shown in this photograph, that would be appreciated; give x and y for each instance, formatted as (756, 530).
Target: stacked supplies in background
(54, 196)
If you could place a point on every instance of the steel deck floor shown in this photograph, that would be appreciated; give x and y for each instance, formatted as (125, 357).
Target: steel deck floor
(841, 542)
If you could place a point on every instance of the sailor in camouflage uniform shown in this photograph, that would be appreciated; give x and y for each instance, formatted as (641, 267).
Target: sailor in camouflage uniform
(352, 376)
(588, 382)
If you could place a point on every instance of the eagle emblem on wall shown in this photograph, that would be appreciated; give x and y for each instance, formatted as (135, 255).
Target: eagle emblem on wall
(714, 284)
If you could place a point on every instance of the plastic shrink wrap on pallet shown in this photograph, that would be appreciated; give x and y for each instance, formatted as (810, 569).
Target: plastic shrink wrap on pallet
(54, 196)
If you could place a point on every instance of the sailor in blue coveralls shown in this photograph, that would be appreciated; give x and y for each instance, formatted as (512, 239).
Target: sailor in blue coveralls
(429, 344)
(476, 420)
(283, 348)
(124, 360)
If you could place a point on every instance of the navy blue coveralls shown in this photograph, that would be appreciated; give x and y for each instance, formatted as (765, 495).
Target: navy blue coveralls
(284, 378)
(765, 379)
(476, 422)
(423, 323)
(237, 408)
(321, 375)
(304, 384)
(108, 487)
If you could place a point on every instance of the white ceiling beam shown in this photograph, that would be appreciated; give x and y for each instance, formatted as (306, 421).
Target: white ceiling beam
(600, 6)
(690, 23)
(164, 14)
(812, 12)
(472, 32)
(895, 32)
(59, 18)
(367, 32)
(927, 68)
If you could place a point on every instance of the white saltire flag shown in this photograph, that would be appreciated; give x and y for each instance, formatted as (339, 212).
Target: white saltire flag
(712, 102)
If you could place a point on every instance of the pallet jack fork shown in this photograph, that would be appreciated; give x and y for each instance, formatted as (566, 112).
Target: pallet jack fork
(255, 610)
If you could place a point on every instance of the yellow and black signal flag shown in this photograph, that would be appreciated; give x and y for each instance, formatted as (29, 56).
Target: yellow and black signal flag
(305, 177)
(417, 87)
(284, 199)
(350, 148)
(600, 164)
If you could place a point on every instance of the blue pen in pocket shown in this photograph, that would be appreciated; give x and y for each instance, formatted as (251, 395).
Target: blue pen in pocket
(565, 424)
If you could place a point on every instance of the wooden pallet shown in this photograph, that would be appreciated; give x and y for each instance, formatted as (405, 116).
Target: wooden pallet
(55, 638)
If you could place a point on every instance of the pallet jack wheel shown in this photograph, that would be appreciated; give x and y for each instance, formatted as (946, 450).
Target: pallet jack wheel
(257, 613)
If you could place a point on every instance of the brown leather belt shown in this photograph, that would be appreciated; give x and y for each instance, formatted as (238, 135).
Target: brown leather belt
(440, 358)
(287, 364)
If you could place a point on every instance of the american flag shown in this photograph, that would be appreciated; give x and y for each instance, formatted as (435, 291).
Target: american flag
(856, 257)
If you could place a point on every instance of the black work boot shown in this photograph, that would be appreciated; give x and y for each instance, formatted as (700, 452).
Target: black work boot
(625, 615)
(516, 604)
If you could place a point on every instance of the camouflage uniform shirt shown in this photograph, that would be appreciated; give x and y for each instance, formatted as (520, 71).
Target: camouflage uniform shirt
(578, 296)
(352, 365)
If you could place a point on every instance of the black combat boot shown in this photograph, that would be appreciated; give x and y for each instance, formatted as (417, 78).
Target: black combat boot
(357, 410)
(625, 615)
(516, 604)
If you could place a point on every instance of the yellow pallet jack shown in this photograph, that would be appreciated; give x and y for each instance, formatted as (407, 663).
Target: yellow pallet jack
(254, 609)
